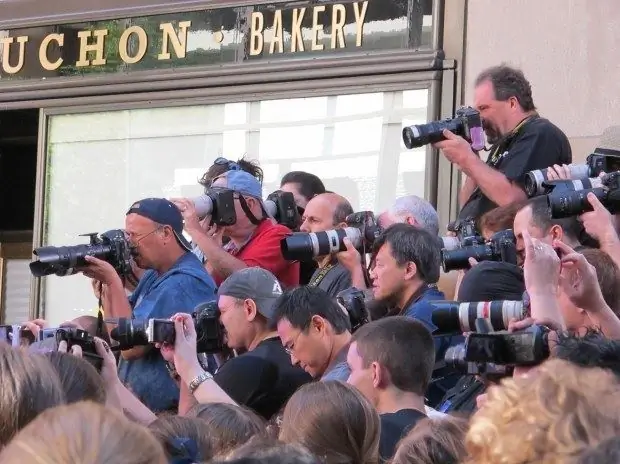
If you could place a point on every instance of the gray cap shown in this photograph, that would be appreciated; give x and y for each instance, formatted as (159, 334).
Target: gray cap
(256, 284)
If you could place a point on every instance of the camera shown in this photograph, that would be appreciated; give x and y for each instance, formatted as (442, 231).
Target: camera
(49, 339)
(466, 235)
(500, 247)
(219, 203)
(595, 164)
(466, 123)
(137, 332)
(563, 203)
(16, 335)
(111, 246)
(527, 347)
(282, 207)
(353, 301)
(566, 185)
(454, 358)
(451, 317)
(362, 230)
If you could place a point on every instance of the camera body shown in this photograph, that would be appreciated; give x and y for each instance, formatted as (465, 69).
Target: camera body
(219, 203)
(566, 203)
(362, 230)
(466, 235)
(209, 332)
(16, 335)
(111, 246)
(527, 347)
(596, 163)
(353, 301)
(282, 207)
(49, 339)
(466, 123)
(500, 247)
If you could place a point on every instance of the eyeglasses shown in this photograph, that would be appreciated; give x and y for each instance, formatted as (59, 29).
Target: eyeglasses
(291, 347)
(137, 238)
(231, 165)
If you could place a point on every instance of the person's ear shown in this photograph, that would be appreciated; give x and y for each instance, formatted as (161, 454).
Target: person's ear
(410, 270)
(317, 324)
(250, 309)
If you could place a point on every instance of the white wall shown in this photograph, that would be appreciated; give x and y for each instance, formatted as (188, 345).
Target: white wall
(568, 49)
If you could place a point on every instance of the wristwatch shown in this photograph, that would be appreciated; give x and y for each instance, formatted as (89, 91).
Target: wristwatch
(199, 380)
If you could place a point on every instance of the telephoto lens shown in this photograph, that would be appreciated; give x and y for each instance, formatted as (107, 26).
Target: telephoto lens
(452, 317)
(534, 180)
(304, 246)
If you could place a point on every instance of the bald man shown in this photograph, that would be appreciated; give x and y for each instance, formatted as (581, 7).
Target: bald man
(325, 212)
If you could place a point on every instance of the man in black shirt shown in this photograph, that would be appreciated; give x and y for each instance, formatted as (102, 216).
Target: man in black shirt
(522, 141)
(263, 378)
(391, 363)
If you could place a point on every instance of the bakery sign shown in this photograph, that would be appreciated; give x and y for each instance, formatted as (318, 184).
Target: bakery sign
(258, 31)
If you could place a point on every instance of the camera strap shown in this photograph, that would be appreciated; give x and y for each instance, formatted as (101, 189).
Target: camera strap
(318, 278)
(248, 213)
(499, 150)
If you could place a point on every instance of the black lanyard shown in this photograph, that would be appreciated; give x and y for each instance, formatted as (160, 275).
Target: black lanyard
(498, 151)
(318, 278)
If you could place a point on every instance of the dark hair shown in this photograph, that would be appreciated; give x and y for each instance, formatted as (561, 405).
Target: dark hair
(592, 349)
(217, 169)
(80, 380)
(605, 452)
(170, 430)
(401, 345)
(412, 244)
(229, 425)
(342, 210)
(608, 276)
(309, 184)
(508, 82)
(263, 451)
(299, 305)
(500, 218)
(572, 228)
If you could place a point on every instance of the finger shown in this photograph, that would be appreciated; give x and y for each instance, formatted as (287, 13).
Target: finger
(529, 244)
(563, 247)
(551, 174)
(596, 204)
(566, 171)
(179, 328)
(101, 347)
(62, 347)
(76, 350)
(472, 262)
(449, 135)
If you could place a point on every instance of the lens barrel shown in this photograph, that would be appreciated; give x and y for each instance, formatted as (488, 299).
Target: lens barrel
(454, 317)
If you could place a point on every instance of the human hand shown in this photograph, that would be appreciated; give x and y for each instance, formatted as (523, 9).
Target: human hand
(36, 326)
(188, 211)
(99, 270)
(184, 350)
(558, 172)
(109, 372)
(455, 148)
(76, 350)
(578, 280)
(350, 259)
(599, 223)
(541, 268)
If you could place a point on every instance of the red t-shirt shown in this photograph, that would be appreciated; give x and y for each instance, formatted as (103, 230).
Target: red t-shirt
(263, 250)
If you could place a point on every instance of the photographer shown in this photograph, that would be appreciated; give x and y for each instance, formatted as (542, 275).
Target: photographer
(412, 210)
(328, 211)
(254, 238)
(175, 279)
(522, 141)
(315, 331)
(263, 378)
(303, 185)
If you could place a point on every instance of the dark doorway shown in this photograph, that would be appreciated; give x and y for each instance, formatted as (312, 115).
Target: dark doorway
(18, 169)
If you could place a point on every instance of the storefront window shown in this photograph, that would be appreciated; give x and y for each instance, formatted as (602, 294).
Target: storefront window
(99, 163)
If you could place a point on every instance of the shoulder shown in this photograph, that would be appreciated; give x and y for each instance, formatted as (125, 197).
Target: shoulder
(269, 229)
(340, 371)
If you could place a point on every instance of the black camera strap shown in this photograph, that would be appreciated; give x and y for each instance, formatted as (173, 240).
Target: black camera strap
(499, 150)
(318, 278)
(246, 209)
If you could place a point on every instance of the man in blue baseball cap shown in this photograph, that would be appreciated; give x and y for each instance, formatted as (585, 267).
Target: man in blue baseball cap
(175, 281)
(254, 238)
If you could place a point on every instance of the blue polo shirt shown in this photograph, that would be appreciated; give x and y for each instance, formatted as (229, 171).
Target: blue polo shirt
(179, 290)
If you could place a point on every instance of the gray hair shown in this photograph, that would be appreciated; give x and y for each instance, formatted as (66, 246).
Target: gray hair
(423, 212)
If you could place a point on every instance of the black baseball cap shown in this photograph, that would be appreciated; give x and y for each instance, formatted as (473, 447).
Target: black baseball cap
(163, 212)
(253, 283)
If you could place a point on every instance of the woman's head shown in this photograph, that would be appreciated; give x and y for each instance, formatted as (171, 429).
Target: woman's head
(433, 441)
(79, 379)
(29, 386)
(229, 425)
(549, 416)
(83, 432)
(334, 421)
(183, 437)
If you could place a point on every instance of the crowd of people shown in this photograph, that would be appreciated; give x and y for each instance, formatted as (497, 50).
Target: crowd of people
(351, 356)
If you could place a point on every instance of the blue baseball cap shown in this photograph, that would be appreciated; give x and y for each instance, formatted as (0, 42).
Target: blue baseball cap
(163, 212)
(243, 182)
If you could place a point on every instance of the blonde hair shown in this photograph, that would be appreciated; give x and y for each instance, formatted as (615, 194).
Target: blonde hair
(334, 421)
(547, 418)
(83, 432)
(433, 441)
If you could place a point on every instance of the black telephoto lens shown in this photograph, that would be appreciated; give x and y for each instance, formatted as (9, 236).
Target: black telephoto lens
(459, 258)
(566, 204)
(432, 132)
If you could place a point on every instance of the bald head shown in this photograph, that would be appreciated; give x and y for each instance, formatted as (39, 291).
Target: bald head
(325, 211)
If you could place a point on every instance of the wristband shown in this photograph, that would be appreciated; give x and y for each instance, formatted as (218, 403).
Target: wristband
(199, 380)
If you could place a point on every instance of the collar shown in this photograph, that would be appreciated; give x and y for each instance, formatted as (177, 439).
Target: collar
(419, 293)
(231, 248)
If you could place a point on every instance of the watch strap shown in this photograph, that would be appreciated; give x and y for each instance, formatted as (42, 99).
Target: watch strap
(199, 380)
